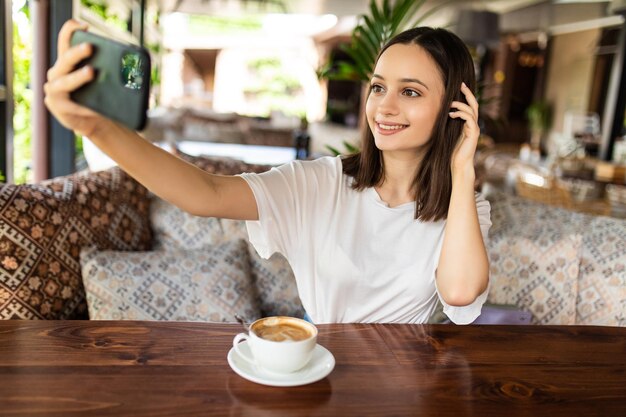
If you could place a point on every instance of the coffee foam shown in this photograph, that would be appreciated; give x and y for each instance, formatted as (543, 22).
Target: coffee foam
(278, 329)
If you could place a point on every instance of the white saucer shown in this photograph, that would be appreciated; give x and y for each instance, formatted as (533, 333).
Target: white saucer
(320, 365)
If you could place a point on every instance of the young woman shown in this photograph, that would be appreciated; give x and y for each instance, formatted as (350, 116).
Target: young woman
(379, 236)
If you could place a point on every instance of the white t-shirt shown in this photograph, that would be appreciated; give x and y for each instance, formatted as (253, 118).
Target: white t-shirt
(355, 259)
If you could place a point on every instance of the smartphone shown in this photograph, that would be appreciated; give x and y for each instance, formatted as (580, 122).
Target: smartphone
(120, 89)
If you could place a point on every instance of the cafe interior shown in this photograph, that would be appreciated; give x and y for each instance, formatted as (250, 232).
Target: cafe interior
(246, 85)
(113, 301)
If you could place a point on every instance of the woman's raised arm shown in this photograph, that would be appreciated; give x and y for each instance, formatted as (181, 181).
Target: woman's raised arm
(166, 175)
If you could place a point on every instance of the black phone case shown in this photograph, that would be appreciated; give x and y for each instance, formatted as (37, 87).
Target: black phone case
(106, 94)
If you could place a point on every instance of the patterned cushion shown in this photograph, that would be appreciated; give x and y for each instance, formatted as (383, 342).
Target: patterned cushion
(539, 276)
(602, 282)
(517, 216)
(173, 227)
(273, 278)
(43, 227)
(211, 284)
(534, 252)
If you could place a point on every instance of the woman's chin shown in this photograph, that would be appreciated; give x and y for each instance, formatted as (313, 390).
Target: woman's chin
(386, 144)
(398, 147)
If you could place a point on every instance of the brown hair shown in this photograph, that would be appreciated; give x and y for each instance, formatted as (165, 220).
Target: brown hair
(433, 181)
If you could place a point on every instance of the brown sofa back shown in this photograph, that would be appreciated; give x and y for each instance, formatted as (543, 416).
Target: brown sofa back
(43, 227)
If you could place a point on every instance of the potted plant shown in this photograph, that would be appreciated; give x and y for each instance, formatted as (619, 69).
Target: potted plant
(539, 115)
(383, 22)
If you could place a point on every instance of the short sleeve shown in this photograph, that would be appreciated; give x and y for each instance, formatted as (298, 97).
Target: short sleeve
(467, 314)
(464, 314)
(274, 192)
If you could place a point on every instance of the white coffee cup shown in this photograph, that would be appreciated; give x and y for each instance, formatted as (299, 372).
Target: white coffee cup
(278, 344)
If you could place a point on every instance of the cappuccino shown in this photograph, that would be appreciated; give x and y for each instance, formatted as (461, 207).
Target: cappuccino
(279, 329)
(278, 344)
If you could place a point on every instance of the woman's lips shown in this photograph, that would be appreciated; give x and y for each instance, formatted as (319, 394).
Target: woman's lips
(389, 128)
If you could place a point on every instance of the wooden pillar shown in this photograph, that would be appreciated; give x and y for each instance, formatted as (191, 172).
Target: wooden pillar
(615, 105)
(39, 64)
(6, 91)
(62, 142)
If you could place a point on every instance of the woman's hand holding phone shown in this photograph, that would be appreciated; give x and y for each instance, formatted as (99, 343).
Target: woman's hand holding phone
(63, 79)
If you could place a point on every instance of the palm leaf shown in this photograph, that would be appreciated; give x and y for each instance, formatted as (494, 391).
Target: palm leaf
(432, 11)
(357, 65)
(376, 30)
(368, 43)
(350, 147)
(334, 151)
(376, 14)
(385, 20)
(386, 8)
(362, 61)
(403, 11)
(373, 32)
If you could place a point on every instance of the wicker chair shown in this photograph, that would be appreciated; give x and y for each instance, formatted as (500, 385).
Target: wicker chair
(555, 193)
(550, 193)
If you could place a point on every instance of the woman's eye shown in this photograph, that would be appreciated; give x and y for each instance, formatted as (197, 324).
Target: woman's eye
(411, 93)
(375, 88)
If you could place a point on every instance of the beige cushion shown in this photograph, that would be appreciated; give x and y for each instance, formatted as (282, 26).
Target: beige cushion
(537, 276)
(535, 253)
(602, 281)
(209, 284)
(174, 228)
(273, 278)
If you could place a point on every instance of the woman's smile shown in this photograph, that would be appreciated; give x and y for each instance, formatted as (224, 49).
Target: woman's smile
(386, 128)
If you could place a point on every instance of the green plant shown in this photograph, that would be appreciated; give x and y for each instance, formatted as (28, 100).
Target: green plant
(539, 115)
(101, 8)
(350, 148)
(271, 87)
(383, 22)
(22, 94)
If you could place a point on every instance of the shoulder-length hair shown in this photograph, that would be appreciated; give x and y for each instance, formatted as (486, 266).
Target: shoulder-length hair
(433, 181)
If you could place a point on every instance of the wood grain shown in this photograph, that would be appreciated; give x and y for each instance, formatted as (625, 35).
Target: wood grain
(90, 368)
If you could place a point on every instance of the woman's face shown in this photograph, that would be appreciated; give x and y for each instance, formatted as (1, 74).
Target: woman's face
(405, 96)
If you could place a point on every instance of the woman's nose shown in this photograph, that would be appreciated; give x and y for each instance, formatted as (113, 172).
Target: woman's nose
(388, 105)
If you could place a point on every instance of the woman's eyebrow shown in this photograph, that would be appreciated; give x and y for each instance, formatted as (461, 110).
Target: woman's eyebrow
(404, 80)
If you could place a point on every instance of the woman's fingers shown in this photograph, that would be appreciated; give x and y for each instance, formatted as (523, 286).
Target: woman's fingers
(463, 107)
(68, 107)
(471, 99)
(471, 127)
(68, 61)
(465, 116)
(65, 34)
(67, 83)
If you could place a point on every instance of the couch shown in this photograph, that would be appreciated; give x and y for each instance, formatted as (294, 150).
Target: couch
(561, 266)
(98, 245)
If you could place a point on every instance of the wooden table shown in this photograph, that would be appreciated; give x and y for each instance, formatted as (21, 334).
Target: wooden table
(72, 368)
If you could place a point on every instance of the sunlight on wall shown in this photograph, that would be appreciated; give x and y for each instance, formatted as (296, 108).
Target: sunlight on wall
(287, 39)
(233, 78)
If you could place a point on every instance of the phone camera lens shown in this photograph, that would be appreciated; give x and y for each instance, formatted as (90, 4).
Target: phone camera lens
(132, 71)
